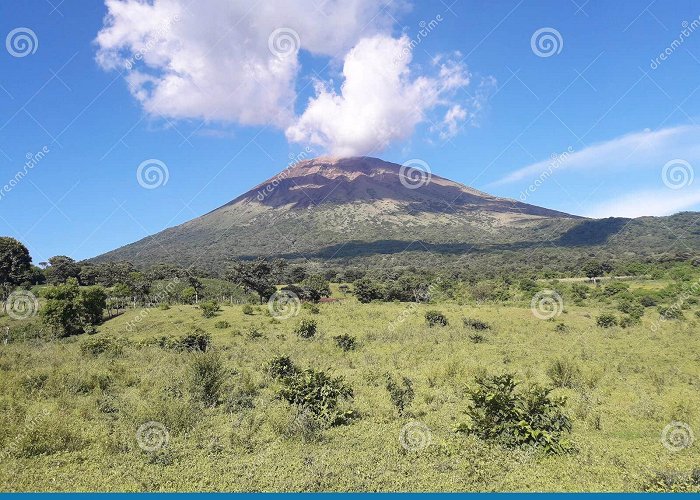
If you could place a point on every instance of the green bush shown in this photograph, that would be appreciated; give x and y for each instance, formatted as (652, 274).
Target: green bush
(648, 301)
(367, 290)
(434, 318)
(222, 324)
(320, 394)
(671, 312)
(564, 373)
(209, 308)
(475, 324)
(514, 419)
(99, 345)
(247, 310)
(206, 377)
(197, 340)
(477, 338)
(281, 366)
(606, 320)
(401, 394)
(673, 482)
(345, 342)
(306, 329)
(561, 328)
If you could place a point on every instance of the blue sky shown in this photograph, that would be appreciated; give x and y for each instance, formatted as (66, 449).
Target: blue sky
(600, 126)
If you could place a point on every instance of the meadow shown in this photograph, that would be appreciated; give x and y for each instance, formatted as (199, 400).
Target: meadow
(122, 414)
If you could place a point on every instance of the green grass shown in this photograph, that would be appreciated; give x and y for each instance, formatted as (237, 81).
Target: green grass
(68, 420)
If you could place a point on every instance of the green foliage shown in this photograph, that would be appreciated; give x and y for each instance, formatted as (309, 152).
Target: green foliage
(475, 324)
(306, 328)
(564, 373)
(223, 324)
(514, 419)
(366, 290)
(92, 302)
(315, 287)
(281, 366)
(606, 320)
(673, 482)
(209, 308)
(435, 318)
(206, 377)
(319, 394)
(248, 310)
(345, 342)
(312, 308)
(615, 288)
(258, 276)
(401, 393)
(102, 344)
(196, 340)
(671, 312)
(15, 262)
(68, 309)
(61, 269)
(477, 338)
(634, 309)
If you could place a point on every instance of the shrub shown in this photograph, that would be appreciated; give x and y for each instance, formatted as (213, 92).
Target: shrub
(209, 308)
(671, 312)
(345, 342)
(306, 329)
(564, 373)
(312, 308)
(561, 328)
(648, 301)
(243, 395)
(254, 333)
(475, 324)
(247, 310)
(206, 377)
(477, 338)
(526, 418)
(606, 320)
(401, 394)
(99, 345)
(615, 288)
(320, 394)
(281, 367)
(435, 318)
(629, 321)
(222, 324)
(634, 309)
(673, 482)
(366, 290)
(197, 340)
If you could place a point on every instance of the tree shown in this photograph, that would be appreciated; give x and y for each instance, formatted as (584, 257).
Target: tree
(15, 262)
(61, 311)
(315, 287)
(60, 269)
(258, 276)
(366, 290)
(92, 302)
(593, 269)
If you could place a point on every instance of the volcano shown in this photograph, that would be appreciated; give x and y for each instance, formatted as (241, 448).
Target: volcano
(344, 208)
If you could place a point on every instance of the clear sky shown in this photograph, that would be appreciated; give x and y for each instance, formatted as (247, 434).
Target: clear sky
(585, 106)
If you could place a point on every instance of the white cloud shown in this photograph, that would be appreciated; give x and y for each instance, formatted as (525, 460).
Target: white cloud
(212, 60)
(646, 149)
(643, 203)
(379, 102)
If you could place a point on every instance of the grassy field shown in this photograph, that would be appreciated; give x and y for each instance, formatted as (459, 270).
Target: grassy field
(69, 419)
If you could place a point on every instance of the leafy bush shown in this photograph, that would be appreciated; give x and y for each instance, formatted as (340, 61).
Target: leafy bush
(475, 324)
(222, 324)
(197, 340)
(206, 377)
(615, 288)
(247, 310)
(306, 329)
(312, 308)
(673, 482)
(345, 342)
(564, 373)
(320, 394)
(526, 418)
(99, 345)
(281, 367)
(477, 338)
(634, 309)
(648, 301)
(434, 318)
(209, 308)
(606, 320)
(255, 333)
(401, 394)
(561, 328)
(629, 321)
(366, 290)
(671, 312)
